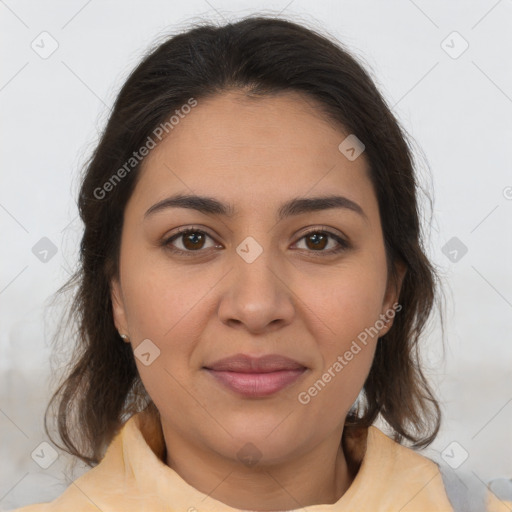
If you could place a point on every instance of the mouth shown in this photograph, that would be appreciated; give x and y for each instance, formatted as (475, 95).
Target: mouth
(256, 377)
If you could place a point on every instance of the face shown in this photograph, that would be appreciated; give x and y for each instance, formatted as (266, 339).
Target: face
(303, 283)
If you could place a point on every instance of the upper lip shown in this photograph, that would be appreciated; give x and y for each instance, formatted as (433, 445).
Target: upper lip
(243, 363)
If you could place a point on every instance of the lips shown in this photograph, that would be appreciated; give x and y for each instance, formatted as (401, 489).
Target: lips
(242, 363)
(256, 377)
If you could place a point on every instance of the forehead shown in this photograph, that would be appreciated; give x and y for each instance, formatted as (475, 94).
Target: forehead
(256, 151)
(280, 127)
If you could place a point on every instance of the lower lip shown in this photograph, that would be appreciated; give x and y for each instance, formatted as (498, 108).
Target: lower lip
(257, 384)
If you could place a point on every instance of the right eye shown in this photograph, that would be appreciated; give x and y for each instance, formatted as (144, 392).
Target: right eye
(191, 240)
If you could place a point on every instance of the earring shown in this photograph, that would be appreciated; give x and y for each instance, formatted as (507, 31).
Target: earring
(124, 336)
(386, 322)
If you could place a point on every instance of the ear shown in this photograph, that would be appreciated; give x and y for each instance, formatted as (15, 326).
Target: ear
(390, 303)
(118, 307)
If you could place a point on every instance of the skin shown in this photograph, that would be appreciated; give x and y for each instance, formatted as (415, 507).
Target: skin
(293, 300)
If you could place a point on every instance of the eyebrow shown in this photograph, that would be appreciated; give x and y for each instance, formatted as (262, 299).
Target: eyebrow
(296, 206)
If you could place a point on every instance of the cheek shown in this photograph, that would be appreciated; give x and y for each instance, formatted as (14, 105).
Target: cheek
(346, 310)
(350, 301)
(160, 297)
(346, 345)
(170, 307)
(166, 307)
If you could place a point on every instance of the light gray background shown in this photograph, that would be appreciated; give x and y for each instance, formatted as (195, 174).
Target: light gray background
(459, 111)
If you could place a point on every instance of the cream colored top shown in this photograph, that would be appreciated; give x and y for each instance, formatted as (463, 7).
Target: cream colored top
(132, 476)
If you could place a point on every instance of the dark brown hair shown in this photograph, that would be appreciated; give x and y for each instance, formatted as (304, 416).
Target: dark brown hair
(259, 56)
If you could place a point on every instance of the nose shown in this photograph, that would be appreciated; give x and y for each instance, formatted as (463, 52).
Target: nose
(258, 296)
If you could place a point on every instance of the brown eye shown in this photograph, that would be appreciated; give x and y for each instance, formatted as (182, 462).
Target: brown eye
(193, 240)
(188, 241)
(318, 241)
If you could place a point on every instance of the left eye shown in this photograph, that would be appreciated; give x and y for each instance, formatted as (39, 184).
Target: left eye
(318, 240)
(193, 240)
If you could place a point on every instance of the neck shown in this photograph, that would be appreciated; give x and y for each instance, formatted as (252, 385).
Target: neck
(320, 476)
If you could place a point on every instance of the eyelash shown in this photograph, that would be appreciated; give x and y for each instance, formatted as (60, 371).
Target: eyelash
(343, 244)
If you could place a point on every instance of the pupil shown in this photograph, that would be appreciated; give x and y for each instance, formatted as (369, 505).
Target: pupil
(193, 238)
(317, 239)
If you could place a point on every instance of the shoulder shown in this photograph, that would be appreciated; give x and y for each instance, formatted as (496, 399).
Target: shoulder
(394, 477)
(456, 490)
(397, 457)
(111, 481)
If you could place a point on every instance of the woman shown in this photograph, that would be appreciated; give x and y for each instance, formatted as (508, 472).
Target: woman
(252, 288)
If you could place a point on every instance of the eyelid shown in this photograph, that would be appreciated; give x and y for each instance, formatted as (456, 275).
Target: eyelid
(326, 229)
